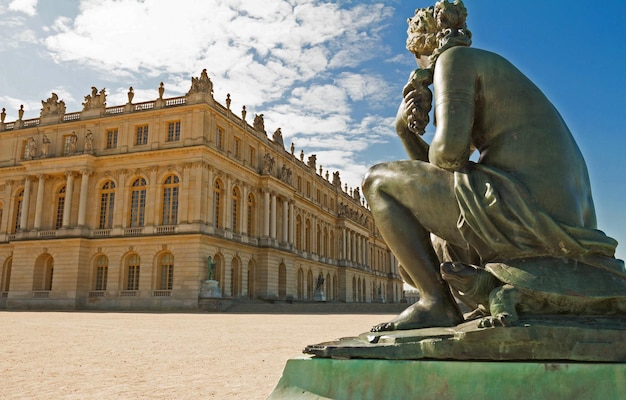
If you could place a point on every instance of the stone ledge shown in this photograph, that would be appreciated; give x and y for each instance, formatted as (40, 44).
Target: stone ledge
(323, 378)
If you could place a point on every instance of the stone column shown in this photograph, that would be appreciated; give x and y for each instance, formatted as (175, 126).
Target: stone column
(273, 217)
(343, 244)
(39, 204)
(285, 237)
(119, 210)
(67, 207)
(84, 194)
(25, 204)
(210, 205)
(228, 205)
(266, 213)
(153, 201)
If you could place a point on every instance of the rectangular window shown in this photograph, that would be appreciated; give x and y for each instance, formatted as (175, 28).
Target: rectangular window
(237, 147)
(111, 138)
(167, 277)
(173, 131)
(67, 144)
(141, 136)
(308, 189)
(318, 196)
(101, 277)
(300, 184)
(59, 217)
(252, 156)
(219, 138)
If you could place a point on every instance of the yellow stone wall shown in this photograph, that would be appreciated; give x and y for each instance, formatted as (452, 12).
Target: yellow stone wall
(272, 261)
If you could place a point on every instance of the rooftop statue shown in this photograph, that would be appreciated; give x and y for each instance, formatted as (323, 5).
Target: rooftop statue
(95, 100)
(524, 209)
(202, 84)
(52, 106)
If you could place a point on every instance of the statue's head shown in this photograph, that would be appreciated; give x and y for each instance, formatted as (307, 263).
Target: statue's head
(435, 29)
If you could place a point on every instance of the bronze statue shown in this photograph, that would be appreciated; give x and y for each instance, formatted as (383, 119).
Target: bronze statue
(525, 202)
(210, 265)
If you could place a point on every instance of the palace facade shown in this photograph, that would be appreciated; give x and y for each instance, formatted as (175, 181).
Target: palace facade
(120, 208)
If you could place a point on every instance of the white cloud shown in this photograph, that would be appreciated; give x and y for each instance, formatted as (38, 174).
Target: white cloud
(28, 7)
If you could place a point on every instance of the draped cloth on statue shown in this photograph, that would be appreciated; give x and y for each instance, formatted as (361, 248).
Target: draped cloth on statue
(500, 220)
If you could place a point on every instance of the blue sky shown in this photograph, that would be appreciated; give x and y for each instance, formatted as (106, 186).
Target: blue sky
(329, 73)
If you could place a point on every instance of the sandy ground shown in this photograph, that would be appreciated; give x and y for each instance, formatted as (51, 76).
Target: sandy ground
(79, 355)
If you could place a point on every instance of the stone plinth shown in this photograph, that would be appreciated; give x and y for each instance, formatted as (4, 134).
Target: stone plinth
(210, 289)
(323, 378)
(319, 295)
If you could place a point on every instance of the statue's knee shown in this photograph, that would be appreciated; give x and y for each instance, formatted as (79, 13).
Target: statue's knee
(373, 178)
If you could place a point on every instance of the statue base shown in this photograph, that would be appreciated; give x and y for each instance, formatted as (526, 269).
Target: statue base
(210, 289)
(577, 339)
(324, 378)
(319, 295)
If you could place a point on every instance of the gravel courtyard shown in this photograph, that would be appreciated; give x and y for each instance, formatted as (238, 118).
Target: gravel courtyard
(89, 355)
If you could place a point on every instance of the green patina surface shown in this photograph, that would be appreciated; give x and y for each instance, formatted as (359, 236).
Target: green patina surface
(316, 378)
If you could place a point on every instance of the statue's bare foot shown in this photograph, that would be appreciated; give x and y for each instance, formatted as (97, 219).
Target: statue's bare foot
(420, 315)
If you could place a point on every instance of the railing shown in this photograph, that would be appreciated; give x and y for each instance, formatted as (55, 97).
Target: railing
(75, 116)
(101, 233)
(46, 234)
(161, 293)
(114, 110)
(129, 293)
(176, 101)
(31, 122)
(133, 231)
(148, 105)
(96, 293)
(165, 230)
(11, 237)
(40, 294)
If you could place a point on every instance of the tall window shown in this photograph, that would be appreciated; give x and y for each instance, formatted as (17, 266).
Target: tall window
(251, 214)
(299, 233)
(132, 272)
(217, 204)
(252, 156)
(102, 270)
(19, 200)
(235, 210)
(141, 135)
(307, 236)
(166, 272)
(107, 202)
(237, 147)
(170, 201)
(138, 203)
(173, 131)
(219, 138)
(60, 206)
(111, 138)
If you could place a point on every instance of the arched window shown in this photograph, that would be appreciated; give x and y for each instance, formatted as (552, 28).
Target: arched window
(217, 204)
(60, 206)
(19, 199)
(107, 202)
(235, 210)
(251, 214)
(43, 273)
(318, 236)
(170, 201)
(101, 272)
(165, 276)
(132, 272)
(137, 203)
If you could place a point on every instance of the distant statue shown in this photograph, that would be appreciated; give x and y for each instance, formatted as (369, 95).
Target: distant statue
(45, 146)
(51, 107)
(268, 164)
(302, 155)
(312, 161)
(259, 123)
(202, 84)
(228, 101)
(161, 91)
(95, 100)
(32, 148)
(210, 265)
(526, 202)
(71, 149)
(277, 137)
(20, 112)
(319, 285)
(131, 95)
(356, 194)
(292, 148)
(285, 174)
(243, 113)
(3, 115)
(336, 179)
(89, 142)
